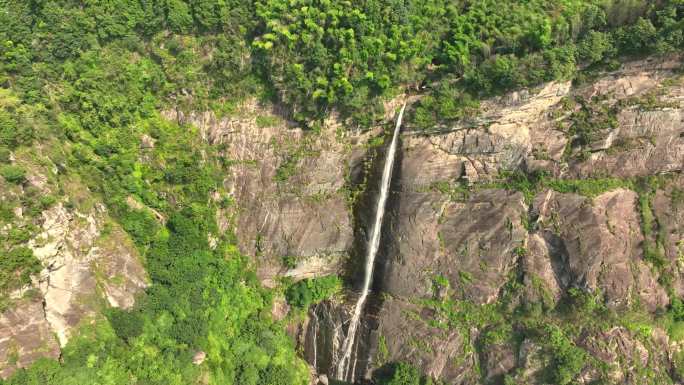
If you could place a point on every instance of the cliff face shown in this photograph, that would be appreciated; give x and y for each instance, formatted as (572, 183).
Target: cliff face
(550, 199)
(87, 261)
(291, 187)
(558, 211)
(597, 210)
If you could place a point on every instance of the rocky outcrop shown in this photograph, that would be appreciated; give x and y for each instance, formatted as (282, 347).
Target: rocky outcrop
(25, 336)
(595, 245)
(645, 101)
(668, 209)
(472, 243)
(406, 337)
(461, 244)
(78, 262)
(500, 138)
(451, 224)
(618, 344)
(87, 259)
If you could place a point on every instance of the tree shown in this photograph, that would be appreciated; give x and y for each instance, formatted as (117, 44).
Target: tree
(401, 374)
(595, 47)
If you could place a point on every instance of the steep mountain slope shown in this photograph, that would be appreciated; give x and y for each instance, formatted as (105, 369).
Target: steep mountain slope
(555, 214)
(186, 190)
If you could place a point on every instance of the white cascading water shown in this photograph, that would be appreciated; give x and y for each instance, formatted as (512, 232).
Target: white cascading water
(315, 348)
(373, 245)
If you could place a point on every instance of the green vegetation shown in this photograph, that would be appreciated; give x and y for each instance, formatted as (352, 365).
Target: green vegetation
(19, 208)
(201, 298)
(674, 320)
(654, 233)
(17, 265)
(311, 291)
(652, 250)
(318, 56)
(586, 123)
(266, 121)
(560, 329)
(289, 261)
(86, 80)
(528, 311)
(490, 47)
(568, 359)
(530, 184)
(401, 373)
(13, 174)
(383, 351)
(286, 169)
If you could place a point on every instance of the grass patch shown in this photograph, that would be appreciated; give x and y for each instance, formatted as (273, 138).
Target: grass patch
(263, 121)
(532, 184)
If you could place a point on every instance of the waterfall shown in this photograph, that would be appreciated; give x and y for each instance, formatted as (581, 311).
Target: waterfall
(315, 342)
(344, 363)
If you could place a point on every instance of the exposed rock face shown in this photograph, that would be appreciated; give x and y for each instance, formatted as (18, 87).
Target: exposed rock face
(439, 353)
(552, 242)
(457, 241)
(25, 336)
(615, 344)
(498, 360)
(668, 210)
(472, 243)
(74, 254)
(501, 138)
(596, 243)
(647, 137)
(66, 254)
(82, 267)
(289, 188)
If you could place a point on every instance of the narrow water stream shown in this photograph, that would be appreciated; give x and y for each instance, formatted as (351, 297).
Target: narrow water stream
(345, 362)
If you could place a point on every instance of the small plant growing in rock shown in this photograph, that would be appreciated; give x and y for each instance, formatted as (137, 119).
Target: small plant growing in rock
(290, 261)
(13, 174)
(5, 154)
(266, 121)
(677, 197)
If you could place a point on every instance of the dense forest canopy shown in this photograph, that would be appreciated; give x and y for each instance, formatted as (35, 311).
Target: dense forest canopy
(92, 76)
(315, 56)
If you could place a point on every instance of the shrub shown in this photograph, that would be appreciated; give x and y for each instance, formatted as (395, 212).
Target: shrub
(676, 331)
(400, 374)
(568, 360)
(141, 225)
(638, 39)
(678, 364)
(16, 268)
(447, 103)
(311, 291)
(5, 154)
(276, 375)
(266, 121)
(13, 174)
(289, 261)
